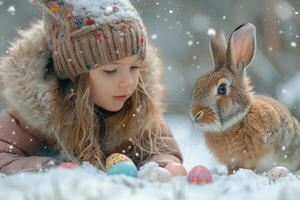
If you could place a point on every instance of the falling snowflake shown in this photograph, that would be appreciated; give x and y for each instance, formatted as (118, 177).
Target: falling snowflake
(293, 44)
(190, 42)
(170, 68)
(224, 17)
(1, 3)
(211, 32)
(153, 36)
(11, 10)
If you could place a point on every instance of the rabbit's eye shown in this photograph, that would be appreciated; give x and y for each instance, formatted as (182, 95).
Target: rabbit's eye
(222, 89)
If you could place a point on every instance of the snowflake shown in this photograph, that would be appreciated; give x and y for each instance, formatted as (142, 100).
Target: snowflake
(293, 44)
(11, 10)
(153, 36)
(211, 32)
(190, 43)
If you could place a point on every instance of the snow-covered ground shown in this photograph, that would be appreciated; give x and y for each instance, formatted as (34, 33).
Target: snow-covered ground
(89, 183)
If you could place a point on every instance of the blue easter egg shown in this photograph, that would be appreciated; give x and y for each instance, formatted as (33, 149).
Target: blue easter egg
(126, 168)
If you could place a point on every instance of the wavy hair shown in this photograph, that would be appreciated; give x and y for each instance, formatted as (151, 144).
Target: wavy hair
(81, 125)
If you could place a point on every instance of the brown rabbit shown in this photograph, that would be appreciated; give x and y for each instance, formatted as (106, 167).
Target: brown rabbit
(242, 130)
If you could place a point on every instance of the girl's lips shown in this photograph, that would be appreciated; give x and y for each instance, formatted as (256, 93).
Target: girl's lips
(120, 98)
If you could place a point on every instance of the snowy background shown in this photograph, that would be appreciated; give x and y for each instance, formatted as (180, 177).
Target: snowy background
(179, 29)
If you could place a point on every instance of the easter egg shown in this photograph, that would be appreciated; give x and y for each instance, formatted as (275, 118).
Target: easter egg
(67, 165)
(115, 158)
(118, 163)
(124, 167)
(199, 175)
(276, 173)
(158, 174)
(176, 169)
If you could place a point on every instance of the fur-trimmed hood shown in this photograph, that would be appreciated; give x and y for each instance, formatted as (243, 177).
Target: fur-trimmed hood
(34, 96)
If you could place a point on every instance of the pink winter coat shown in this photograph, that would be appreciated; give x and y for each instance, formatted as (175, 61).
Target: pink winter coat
(26, 125)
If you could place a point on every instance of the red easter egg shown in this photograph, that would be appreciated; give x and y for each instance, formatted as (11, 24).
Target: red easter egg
(199, 175)
(67, 165)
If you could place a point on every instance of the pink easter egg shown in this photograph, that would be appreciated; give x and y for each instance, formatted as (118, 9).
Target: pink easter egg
(199, 175)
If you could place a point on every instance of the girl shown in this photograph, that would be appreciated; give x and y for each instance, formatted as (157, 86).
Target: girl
(81, 85)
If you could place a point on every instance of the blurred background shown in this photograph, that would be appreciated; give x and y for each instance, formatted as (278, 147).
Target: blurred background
(179, 29)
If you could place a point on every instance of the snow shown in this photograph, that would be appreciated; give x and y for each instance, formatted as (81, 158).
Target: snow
(11, 10)
(89, 183)
(109, 11)
(293, 44)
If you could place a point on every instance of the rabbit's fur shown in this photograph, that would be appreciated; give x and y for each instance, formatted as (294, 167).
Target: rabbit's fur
(242, 130)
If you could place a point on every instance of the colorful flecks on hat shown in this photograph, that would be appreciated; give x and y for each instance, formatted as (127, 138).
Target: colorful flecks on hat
(86, 34)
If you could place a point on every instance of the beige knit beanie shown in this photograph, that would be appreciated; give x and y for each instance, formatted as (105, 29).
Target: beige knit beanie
(86, 34)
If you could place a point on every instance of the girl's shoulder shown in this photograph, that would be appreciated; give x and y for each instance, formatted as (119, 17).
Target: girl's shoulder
(14, 130)
(10, 117)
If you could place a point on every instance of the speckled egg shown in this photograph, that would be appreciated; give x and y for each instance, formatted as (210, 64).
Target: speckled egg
(158, 174)
(199, 175)
(276, 173)
(118, 163)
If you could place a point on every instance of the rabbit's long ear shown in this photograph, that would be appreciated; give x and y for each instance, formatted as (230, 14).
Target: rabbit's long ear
(241, 48)
(218, 48)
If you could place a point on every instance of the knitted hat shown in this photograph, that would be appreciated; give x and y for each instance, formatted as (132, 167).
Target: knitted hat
(86, 34)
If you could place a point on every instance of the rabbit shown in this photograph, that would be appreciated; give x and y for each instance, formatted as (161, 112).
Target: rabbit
(243, 130)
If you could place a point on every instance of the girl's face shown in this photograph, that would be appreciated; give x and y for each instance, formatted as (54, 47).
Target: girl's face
(111, 85)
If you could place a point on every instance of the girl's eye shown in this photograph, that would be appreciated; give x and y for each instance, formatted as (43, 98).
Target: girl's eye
(110, 71)
(135, 67)
(222, 90)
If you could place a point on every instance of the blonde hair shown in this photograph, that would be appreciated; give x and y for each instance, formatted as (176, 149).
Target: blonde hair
(140, 121)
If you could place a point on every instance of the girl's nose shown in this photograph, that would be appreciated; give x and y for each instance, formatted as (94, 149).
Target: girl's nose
(126, 81)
